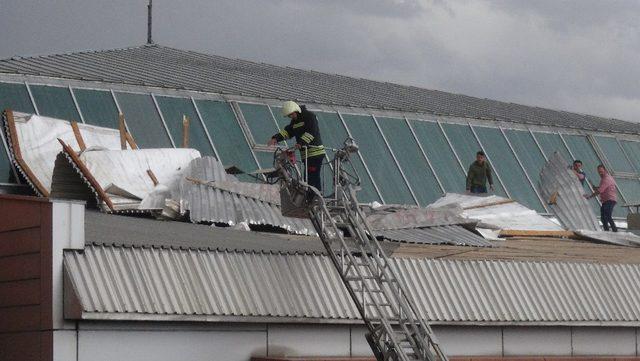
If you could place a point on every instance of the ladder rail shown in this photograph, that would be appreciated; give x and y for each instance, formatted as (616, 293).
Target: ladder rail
(372, 280)
(397, 293)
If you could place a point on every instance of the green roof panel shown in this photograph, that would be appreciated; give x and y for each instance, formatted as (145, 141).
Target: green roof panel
(143, 120)
(55, 102)
(414, 165)
(378, 157)
(466, 146)
(16, 97)
(333, 136)
(173, 109)
(97, 107)
(614, 154)
(226, 134)
(441, 156)
(505, 162)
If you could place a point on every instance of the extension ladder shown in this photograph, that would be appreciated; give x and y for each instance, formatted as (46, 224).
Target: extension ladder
(395, 329)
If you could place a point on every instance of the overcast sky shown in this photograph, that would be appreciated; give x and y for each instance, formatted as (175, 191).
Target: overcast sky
(582, 56)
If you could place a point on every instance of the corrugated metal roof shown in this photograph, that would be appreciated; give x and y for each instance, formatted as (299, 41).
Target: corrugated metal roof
(558, 183)
(618, 238)
(160, 66)
(199, 285)
(456, 235)
(206, 203)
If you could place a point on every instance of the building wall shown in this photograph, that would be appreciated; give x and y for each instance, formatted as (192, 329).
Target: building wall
(170, 341)
(25, 279)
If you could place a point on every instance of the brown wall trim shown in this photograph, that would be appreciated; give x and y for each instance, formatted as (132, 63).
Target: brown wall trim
(26, 293)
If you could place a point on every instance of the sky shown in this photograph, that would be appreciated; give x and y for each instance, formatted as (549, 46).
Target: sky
(581, 56)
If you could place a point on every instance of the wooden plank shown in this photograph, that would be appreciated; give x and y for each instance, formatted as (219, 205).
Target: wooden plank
(496, 203)
(17, 155)
(132, 143)
(24, 346)
(46, 267)
(22, 267)
(78, 135)
(529, 233)
(185, 131)
(21, 241)
(18, 214)
(20, 293)
(123, 132)
(87, 174)
(20, 318)
(153, 177)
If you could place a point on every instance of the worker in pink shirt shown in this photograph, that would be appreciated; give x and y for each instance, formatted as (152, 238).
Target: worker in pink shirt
(608, 198)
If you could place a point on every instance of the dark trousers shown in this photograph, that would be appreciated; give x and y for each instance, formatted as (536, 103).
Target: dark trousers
(314, 167)
(478, 189)
(606, 211)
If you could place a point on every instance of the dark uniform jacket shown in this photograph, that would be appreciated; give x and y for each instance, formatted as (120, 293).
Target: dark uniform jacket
(305, 129)
(479, 174)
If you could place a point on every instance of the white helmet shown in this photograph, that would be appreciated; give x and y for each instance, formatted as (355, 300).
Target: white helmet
(289, 107)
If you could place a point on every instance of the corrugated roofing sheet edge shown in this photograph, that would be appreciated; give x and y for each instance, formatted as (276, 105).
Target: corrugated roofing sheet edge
(205, 285)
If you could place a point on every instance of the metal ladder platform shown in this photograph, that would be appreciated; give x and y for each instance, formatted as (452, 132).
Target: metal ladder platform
(395, 329)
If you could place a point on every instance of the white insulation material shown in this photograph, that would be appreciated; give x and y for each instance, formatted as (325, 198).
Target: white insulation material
(497, 212)
(124, 172)
(38, 142)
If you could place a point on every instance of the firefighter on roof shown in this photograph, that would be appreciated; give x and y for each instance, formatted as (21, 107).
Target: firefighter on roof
(304, 127)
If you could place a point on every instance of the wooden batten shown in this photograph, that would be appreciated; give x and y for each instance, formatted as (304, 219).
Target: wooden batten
(123, 132)
(153, 177)
(132, 143)
(78, 135)
(185, 131)
(497, 203)
(531, 233)
(85, 171)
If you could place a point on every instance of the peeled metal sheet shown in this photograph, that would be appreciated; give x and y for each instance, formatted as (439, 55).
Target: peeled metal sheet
(415, 217)
(123, 175)
(570, 206)
(455, 235)
(208, 203)
(495, 212)
(209, 285)
(36, 139)
(618, 238)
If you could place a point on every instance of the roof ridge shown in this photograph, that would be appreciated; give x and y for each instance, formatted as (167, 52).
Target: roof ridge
(88, 51)
(419, 95)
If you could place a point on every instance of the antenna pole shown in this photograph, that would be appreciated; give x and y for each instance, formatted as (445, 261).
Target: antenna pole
(149, 20)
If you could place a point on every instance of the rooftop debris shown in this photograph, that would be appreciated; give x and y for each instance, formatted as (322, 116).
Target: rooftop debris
(121, 178)
(448, 234)
(564, 192)
(496, 213)
(210, 195)
(179, 184)
(617, 238)
(33, 142)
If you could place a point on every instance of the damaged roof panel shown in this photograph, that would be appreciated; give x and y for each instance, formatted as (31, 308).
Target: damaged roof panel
(33, 142)
(562, 189)
(452, 234)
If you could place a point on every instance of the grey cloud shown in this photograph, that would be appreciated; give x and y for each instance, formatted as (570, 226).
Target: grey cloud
(576, 55)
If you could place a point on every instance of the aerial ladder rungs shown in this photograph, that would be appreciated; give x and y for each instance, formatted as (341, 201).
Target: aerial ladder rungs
(396, 330)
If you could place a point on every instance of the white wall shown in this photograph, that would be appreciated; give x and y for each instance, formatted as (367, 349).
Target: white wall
(170, 341)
